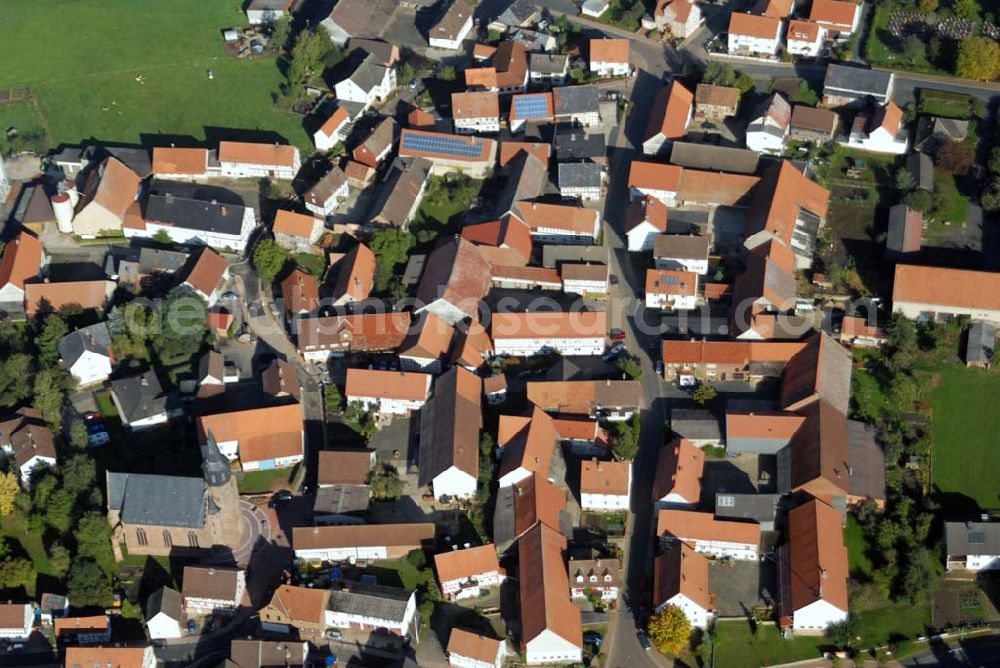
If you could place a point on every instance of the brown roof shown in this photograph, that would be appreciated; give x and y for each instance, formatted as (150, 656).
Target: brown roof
(767, 425)
(820, 452)
(470, 345)
(207, 271)
(783, 192)
(467, 563)
(671, 111)
(74, 625)
(301, 604)
(681, 247)
(418, 118)
(804, 31)
(511, 64)
(678, 471)
(253, 653)
(583, 396)
(510, 150)
(504, 242)
(117, 189)
(728, 352)
(576, 219)
(535, 275)
(450, 423)
(889, 118)
(357, 171)
(294, 224)
(574, 271)
(458, 273)
(948, 287)
(648, 210)
(375, 143)
(362, 18)
(257, 154)
(813, 118)
(12, 615)
(717, 96)
(693, 525)
(669, 282)
(857, 326)
(86, 294)
(609, 50)
(537, 500)
(483, 51)
(28, 436)
(170, 160)
(600, 477)
(654, 176)
(473, 645)
(22, 260)
(817, 558)
(763, 27)
(681, 570)
(280, 378)
(211, 582)
(485, 148)
(344, 466)
(475, 104)
(300, 291)
(769, 275)
(839, 15)
(544, 586)
(529, 443)
(822, 369)
(777, 8)
(483, 77)
(263, 433)
(548, 324)
(715, 187)
(106, 657)
(356, 275)
(412, 536)
(401, 385)
(430, 337)
(366, 332)
(681, 9)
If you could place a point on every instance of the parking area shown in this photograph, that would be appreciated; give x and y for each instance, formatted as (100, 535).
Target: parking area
(740, 586)
(393, 443)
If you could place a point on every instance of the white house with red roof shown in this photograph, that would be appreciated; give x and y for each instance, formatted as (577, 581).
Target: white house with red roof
(467, 649)
(880, 132)
(23, 258)
(680, 17)
(466, 573)
(388, 392)
(671, 289)
(646, 220)
(680, 578)
(251, 160)
(334, 131)
(804, 38)
(750, 34)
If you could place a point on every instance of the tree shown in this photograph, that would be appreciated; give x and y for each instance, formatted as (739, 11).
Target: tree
(16, 379)
(59, 510)
(967, 9)
(269, 259)
(391, 247)
(629, 366)
(719, 74)
(49, 396)
(625, 438)
(78, 436)
(47, 342)
(669, 630)
(385, 483)
(333, 399)
(978, 58)
(88, 584)
(307, 58)
(578, 74)
(904, 179)
(704, 393)
(990, 199)
(180, 325)
(17, 572)
(486, 444)
(914, 49)
(955, 157)
(281, 32)
(93, 538)
(405, 74)
(928, 6)
(60, 559)
(842, 634)
(79, 473)
(9, 489)
(994, 161)
(448, 73)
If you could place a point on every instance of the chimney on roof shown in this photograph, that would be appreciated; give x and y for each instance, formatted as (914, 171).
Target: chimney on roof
(822, 573)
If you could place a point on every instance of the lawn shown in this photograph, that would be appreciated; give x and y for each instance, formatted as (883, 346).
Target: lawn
(860, 564)
(736, 646)
(400, 573)
(893, 623)
(957, 211)
(88, 87)
(880, 51)
(31, 133)
(31, 543)
(943, 103)
(965, 423)
(262, 482)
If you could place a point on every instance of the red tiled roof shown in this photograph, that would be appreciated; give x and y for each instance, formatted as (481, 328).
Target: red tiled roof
(671, 111)
(401, 385)
(817, 557)
(803, 31)
(207, 271)
(511, 149)
(467, 563)
(564, 217)
(752, 25)
(473, 646)
(692, 525)
(338, 118)
(654, 176)
(544, 586)
(669, 282)
(475, 104)
(601, 477)
(681, 570)
(86, 294)
(22, 260)
(365, 332)
(678, 471)
(294, 224)
(263, 433)
(839, 15)
(171, 160)
(356, 275)
(547, 324)
(250, 153)
(300, 292)
(609, 51)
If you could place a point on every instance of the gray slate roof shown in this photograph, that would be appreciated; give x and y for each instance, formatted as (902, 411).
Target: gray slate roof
(575, 100)
(194, 207)
(338, 499)
(971, 538)
(517, 12)
(714, 158)
(165, 600)
(157, 500)
(695, 423)
(981, 343)
(579, 175)
(546, 63)
(369, 73)
(760, 508)
(371, 600)
(577, 145)
(921, 167)
(96, 339)
(140, 396)
(857, 80)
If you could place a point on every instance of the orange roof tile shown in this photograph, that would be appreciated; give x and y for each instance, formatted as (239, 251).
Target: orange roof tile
(531, 447)
(752, 25)
(106, 657)
(401, 385)
(356, 276)
(294, 224)
(73, 625)
(475, 104)
(715, 187)
(946, 286)
(506, 242)
(690, 525)
(363, 332)
(803, 31)
(681, 570)
(301, 604)
(601, 477)
(472, 645)
(430, 338)
(117, 189)
(207, 271)
(763, 425)
(418, 118)
(22, 260)
(669, 282)
(783, 192)
(483, 77)
(678, 471)
(535, 275)
(837, 14)
(817, 556)
(171, 160)
(544, 587)
(467, 563)
(345, 466)
(537, 500)
(654, 176)
(511, 149)
(565, 217)
(729, 352)
(648, 210)
(471, 345)
(300, 292)
(263, 433)
(671, 112)
(778, 9)
(338, 118)
(411, 536)
(249, 153)
(609, 50)
(483, 51)
(86, 294)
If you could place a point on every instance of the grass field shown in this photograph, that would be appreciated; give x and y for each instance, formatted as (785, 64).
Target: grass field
(860, 564)
(87, 87)
(736, 646)
(943, 103)
(957, 210)
(261, 482)
(31, 133)
(894, 622)
(31, 543)
(965, 423)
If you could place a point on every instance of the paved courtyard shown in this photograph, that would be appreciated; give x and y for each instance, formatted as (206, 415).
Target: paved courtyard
(739, 586)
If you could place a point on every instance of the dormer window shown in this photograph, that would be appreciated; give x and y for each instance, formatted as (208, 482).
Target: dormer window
(593, 578)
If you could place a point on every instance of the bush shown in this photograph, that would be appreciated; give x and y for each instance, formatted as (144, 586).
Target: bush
(417, 559)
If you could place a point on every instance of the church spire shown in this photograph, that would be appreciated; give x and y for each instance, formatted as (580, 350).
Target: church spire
(214, 466)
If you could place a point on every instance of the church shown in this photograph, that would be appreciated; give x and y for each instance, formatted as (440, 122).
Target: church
(165, 515)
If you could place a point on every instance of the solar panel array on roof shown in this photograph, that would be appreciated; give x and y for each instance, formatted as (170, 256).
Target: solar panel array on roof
(531, 106)
(670, 280)
(458, 147)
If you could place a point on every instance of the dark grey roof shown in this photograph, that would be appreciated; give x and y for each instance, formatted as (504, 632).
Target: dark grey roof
(157, 500)
(136, 159)
(139, 397)
(157, 259)
(898, 234)
(934, 129)
(760, 508)
(714, 158)
(579, 175)
(695, 423)
(856, 80)
(527, 179)
(338, 499)
(921, 167)
(371, 600)
(326, 187)
(575, 100)
(547, 63)
(981, 343)
(96, 339)
(971, 538)
(165, 600)
(402, 183)
(573, 144)
(504, 517)
(194, 207)
(865, 462)
(518, 12)
(555, 254)
(369, 73)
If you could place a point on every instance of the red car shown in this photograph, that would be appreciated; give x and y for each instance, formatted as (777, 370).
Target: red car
(616, 335)
(92, 417)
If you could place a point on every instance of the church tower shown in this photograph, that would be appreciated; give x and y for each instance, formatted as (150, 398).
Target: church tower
(222, 503)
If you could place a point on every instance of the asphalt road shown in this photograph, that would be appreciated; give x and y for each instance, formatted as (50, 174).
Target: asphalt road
(980, 652)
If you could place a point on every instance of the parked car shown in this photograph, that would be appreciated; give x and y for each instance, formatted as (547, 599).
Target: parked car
(94, 427)
(93, 416)
(643, 640)
(280, 499)
(97, 439)
(333, 634)
(593, 638)
(229, 296)
(659, 368)
(613, 279)
(616, 335)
